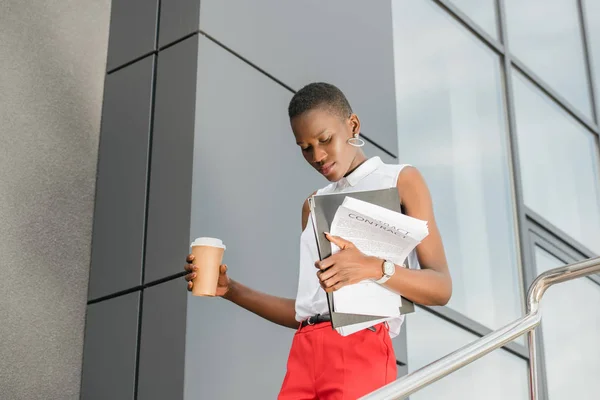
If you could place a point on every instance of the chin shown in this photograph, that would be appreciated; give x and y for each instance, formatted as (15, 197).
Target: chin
(334, 177)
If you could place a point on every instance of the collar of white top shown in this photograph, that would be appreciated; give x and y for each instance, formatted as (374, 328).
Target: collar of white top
(359, 173)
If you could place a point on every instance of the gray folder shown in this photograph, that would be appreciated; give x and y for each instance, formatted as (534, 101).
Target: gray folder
(323, 209)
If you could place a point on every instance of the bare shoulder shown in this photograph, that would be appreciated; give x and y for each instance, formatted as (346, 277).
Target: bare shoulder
(410, 177)
(413, 189)
(306, 211)
(409, 174)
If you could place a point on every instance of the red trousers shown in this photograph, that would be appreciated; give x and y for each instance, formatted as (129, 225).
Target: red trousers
(323, 365)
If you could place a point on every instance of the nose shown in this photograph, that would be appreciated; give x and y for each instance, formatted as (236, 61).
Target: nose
(319, 155)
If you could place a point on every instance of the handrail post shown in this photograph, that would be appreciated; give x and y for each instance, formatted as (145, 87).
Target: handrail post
(415, 381)
(533, 367)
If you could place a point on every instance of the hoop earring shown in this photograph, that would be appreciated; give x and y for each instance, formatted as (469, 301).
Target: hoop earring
(356, 141)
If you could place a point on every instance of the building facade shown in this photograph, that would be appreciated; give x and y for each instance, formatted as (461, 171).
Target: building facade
(495, 101)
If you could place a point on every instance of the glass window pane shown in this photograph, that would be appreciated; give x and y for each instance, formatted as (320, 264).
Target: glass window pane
(592, 15)
(498, 375)
(482, 12)
(452, 127)
(570, 327)
(546, 36)
(559, 166)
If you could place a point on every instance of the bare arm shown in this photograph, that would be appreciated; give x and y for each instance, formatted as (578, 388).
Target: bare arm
(275, 309)
(278, 310)
(431, 285)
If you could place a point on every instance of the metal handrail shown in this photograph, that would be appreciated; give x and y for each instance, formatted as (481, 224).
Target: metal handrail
(409, 384)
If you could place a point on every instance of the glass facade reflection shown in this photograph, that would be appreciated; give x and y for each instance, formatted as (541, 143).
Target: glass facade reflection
(592, 19)
(546, 36)
(559, 165)
(506, 135)
(482, 12)
(451, 120)
(430, 338)
(567, 329)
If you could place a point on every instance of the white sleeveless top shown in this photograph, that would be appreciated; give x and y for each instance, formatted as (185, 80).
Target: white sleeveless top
(311, 298)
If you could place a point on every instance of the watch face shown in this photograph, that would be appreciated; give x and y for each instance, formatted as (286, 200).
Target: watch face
(389, 268)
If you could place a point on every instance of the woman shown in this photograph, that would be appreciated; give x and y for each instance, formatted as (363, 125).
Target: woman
(322, 364)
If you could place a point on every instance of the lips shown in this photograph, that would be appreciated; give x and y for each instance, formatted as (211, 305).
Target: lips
(327, 168)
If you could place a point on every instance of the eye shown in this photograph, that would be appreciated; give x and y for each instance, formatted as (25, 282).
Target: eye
(324, 141)
(305, 149)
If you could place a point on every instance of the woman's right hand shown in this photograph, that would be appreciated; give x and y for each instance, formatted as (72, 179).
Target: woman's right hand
(223, 284)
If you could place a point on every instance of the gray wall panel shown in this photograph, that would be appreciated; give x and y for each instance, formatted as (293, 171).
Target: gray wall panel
(132, 30)
(171, 166)
(177, 19)
(52, 71)
(109, 353)
(162, 343)
(118, 236)
(345, 42)
(250, 181)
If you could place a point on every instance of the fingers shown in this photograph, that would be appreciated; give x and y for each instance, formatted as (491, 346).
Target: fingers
(326, 263)
(341, 243)
(190, 268)
(332, 284)
(324, 275)
(189, 277)
(335, 287)
(330, 278)
(192, 271)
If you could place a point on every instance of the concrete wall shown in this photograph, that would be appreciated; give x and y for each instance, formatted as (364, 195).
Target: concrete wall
(51, 85)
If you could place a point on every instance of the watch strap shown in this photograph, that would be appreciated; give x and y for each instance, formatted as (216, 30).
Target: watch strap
(385, 276)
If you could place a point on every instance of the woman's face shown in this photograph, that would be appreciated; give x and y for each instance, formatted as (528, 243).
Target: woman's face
(322, 135)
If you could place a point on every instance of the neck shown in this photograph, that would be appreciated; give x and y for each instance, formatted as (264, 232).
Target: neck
(356, 162)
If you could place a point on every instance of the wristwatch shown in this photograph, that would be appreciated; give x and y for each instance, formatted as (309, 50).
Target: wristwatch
(389, 269)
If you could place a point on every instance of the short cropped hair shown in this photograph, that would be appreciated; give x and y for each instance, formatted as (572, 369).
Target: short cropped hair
(319, 95)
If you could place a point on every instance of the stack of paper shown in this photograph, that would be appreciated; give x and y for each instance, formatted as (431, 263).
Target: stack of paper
(379, 232)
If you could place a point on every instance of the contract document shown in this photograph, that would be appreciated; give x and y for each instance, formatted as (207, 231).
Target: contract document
(380, 232)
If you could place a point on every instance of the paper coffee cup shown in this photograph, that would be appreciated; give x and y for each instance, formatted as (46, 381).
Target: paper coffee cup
(208, 255)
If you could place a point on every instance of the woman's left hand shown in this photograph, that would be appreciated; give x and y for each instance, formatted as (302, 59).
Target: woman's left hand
(346, 267)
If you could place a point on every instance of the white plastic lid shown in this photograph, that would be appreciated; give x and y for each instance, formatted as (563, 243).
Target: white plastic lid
(208, 241)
